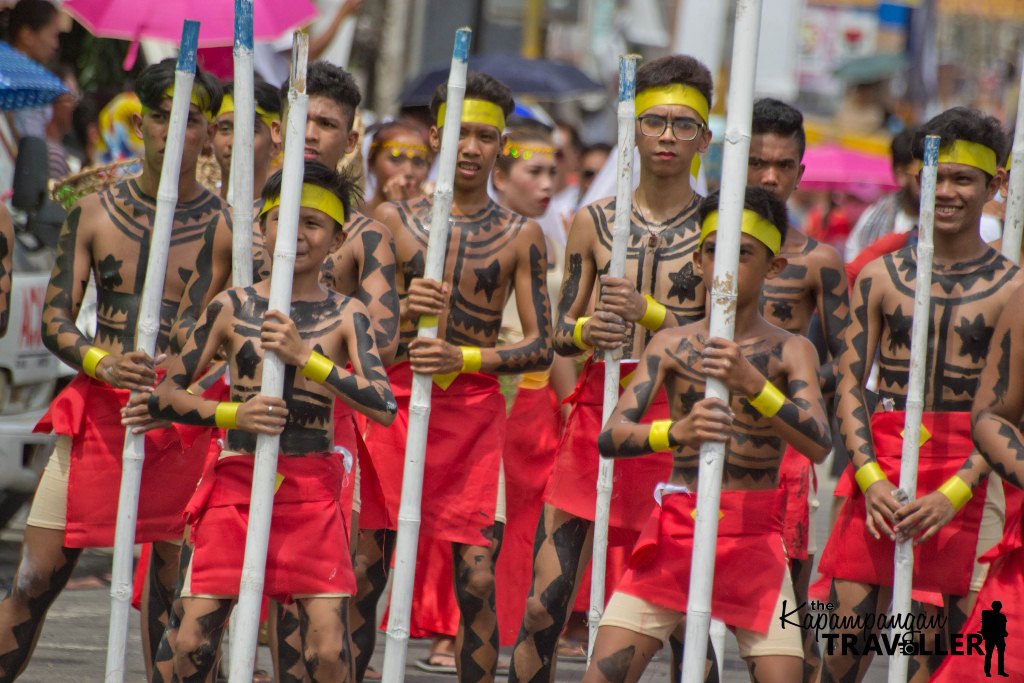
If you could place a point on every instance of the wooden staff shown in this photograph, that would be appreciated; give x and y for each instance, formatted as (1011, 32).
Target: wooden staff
(616, 268)
(246, 620)
(722, 324)
(242, 148)
(1013, 222)
(903, 575)
(145, 334)
(419, 399)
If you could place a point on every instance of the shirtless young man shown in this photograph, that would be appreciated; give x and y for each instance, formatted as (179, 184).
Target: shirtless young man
(107, 235)
(971, 285)
(751, 574)
(492, 254)
(661, 289)
(813, 281)
(323, 332)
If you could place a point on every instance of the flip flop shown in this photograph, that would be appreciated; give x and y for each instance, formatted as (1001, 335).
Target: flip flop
(570, 650)
(372, 674)
(430, 664)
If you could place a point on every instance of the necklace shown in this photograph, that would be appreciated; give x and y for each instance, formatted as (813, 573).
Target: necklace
(654, 229)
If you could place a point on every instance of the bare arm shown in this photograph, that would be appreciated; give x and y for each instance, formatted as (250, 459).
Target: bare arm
(833, 303)
(320, 43)
(67, 287)
(211, 276)
(802, 421)
(6, 256)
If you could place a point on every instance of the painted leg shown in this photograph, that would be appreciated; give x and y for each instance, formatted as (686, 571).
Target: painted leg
(163, 660)
(476, 644)
(158, 598)
(800, 572)
(372, 560)
(326, 643)
(620, 656)
(198, 639)
(852, 600)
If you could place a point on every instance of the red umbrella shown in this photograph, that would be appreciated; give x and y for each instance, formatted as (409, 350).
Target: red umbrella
(831, 167)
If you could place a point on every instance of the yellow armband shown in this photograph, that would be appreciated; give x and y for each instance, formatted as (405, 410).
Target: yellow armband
(658, 436)
(317, 368)
(471, 359)
(868, 474)
(226, 415)
(654, 316)
(956, 491)
(91, 360)
(577, 334)
(769, 400)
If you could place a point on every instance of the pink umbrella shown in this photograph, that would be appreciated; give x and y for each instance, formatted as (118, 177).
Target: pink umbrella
(831, 167)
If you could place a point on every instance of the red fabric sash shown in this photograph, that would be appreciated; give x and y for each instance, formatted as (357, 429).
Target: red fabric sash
(944, 563)
(464, 446)
(573, 483)
(750, 562)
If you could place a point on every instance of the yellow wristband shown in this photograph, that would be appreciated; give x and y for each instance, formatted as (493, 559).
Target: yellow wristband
(91, 360)
(577, 334)
(654, 316)
(226, 416)
(471, 359)
(868, 474)
(956, 491)
(769, 401)
(317, 368)
(658, 436)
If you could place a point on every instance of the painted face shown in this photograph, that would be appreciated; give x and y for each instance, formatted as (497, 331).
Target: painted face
(318, 235)
(224, 135)
(664, 154)
(961, 192)
(153, 127)
(774, 164)
(528, 185)
(479, 145)
(402, 155)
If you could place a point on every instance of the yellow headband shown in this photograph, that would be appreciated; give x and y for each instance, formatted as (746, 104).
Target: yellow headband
(227, 106)
(752, 224)
(477, 111)
(971, 154)
(673, 93)
(199, 97)
(399, 149)
(518, 151)
(313, 197)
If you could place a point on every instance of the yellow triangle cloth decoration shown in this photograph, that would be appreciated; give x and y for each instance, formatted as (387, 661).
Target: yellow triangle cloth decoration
(925, 435)
(693, 514)
(278, 480)
(444, 381)
(624, 381)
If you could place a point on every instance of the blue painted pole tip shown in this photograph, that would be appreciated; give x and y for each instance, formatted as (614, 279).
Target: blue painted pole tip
(931, 150)
(627, 77)
(243, 24)
(463, 36)
(189, 45)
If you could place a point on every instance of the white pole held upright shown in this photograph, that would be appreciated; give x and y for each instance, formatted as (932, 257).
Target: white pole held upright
(616, 268)
(241, 148)
(1013, 222)
(246, 619)
(419, 400)
(145, 340)
(904, 562)
(722, 324)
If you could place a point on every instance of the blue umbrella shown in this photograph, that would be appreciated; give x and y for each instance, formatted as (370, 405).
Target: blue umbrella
(543, 79)
(25, 83)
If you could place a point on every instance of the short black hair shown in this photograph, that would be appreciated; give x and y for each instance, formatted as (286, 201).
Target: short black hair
(776, 117)
(962, 123)
(479, 86)
(328, 80)
(317, 174)
(266, 95)
(575, 141)
(31, 14)
(760, 201)
(525, 132)
(675, 69)
(902, 147)
(602, 147)
(155, 79)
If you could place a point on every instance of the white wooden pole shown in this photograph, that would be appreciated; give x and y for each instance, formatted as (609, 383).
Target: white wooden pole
(1013, 222)
(722, 324)
(616, 268)
(242, 148)
(246, 619)
(145, 340)
(904, 561)
(419, 400)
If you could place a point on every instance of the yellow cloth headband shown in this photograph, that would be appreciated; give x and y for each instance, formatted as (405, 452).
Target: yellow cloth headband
(227, 106)
(199, 97)
(477, 111)
(752, 224)
(673, 93)
(517, 151)
(399, 149)
(313, 197)
(971, 154)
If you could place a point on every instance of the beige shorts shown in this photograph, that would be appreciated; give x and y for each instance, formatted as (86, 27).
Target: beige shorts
(500, 509)
(640, 616)
(991, 531)
(50, 505)
(812, 508)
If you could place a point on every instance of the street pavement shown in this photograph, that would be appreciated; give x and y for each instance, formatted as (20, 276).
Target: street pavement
(73, 643)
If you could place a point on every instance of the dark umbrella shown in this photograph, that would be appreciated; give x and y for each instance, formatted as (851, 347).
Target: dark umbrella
(25, 83)
(543, 79)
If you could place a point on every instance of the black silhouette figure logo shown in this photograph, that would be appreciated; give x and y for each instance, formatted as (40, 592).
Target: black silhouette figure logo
(993, 630)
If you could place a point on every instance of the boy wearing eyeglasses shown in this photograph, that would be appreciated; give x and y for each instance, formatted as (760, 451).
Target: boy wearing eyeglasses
(660, 289)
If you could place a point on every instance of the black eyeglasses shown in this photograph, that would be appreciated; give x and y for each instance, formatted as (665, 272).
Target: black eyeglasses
(684, 130)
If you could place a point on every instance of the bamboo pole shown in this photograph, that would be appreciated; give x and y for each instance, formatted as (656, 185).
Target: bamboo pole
(616, 268)
(242, 148)
(419, 400)
(246, 620)
(722, 324)
(146, 334)
(1013, 222)
(904, 561)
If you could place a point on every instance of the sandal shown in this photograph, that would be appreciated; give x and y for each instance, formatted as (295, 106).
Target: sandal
(437, 663)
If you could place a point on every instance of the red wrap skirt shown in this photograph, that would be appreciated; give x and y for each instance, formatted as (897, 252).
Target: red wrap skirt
(796, 476)
(750, 562)
(573, 483)
(944, 563)
(308, 552)
(89, 412)
(465, 440)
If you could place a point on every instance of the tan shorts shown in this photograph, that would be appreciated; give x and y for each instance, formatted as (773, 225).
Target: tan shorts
(640, 616)
(50, 505)
(812, 507)
(357, 501)
(500, 510)
(991, 531)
